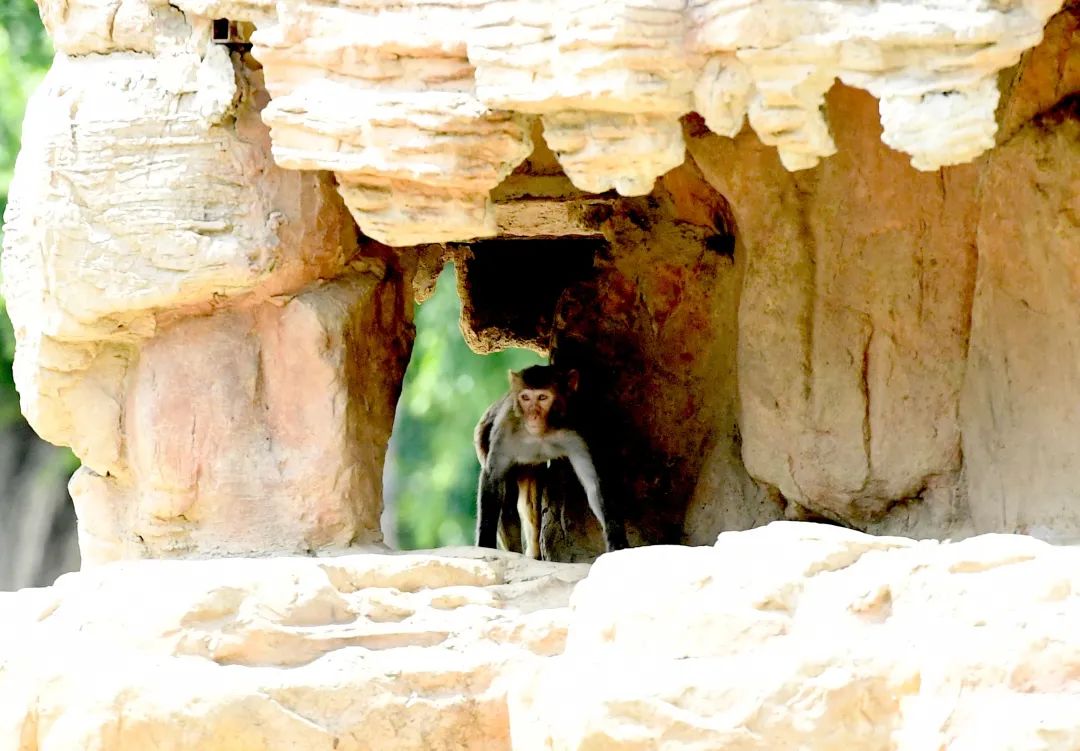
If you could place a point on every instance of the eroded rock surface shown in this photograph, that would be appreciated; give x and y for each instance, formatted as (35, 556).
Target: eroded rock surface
(174, 316)
(421, 108)
(812, 637)
(1018, 435)
(790, 322)
(853, 319)
(356, 652)
(792, 635)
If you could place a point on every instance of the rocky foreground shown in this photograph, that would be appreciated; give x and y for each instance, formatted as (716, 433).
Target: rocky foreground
(789, 636)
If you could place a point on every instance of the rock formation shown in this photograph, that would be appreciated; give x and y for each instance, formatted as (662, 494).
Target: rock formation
(792, 297)
(789, 636)
(167, 283)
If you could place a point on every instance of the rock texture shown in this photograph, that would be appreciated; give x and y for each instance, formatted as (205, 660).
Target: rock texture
(421, 108)
(165, 281)
(853, 317)
(1019, 417)
(793, 321)
(357, 652)
(793, 635)
(274, 437)
(796, 636)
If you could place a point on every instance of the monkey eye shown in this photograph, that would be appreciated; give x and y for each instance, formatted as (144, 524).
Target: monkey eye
(526, 398)
(542, 398)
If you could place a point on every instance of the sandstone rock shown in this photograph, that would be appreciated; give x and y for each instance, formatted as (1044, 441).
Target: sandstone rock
(164, 279)
(383, 97)
(853, 316)
(356, 652)
(271, 439)
(422, 107)
(789, 636)
(123, 208)
(798, 636)
(83, 27)
(1019, 416)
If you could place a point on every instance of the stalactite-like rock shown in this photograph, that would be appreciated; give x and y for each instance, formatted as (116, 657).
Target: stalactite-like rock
(422, 107)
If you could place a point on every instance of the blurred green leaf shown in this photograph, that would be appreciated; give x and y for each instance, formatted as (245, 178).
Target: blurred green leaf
(25, 54)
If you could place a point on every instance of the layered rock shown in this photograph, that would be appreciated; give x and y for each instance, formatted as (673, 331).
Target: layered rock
(273, 437)
(164, 279)
(812, 637)
(355, 652)
(197, 317)
(793, 635)
(422, 108)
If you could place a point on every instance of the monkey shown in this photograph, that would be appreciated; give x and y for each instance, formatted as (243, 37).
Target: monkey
(522, 519)
(523, 430)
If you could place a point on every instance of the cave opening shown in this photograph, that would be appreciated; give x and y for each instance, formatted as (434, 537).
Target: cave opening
(498, 298)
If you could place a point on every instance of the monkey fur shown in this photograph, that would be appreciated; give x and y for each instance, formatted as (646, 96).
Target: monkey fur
(517, 436)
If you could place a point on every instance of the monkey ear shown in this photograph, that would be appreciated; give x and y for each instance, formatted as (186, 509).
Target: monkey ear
(572, 380)
(515, 380)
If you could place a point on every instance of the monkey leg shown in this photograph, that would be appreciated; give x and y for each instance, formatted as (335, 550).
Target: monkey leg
(490, 500)
(528, 508)
(510, 529)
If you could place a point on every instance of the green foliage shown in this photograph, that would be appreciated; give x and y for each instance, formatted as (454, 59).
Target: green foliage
(25, 54)
(432, 469)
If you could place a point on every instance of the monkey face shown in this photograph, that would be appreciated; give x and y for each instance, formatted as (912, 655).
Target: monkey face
(534, 405)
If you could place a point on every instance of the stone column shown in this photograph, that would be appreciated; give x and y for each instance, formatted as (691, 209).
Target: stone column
(202, 327)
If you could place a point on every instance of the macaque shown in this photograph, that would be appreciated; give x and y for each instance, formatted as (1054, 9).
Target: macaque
(517, 436)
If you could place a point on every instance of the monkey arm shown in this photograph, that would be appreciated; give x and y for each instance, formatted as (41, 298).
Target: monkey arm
(492, 495)
(482, 432)
(577, 451)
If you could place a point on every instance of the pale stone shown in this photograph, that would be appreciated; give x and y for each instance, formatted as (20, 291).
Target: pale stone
(1020, 414)
(415, 151)
(852, 321)
(789, 636)
(348, 653)
(795, 636)
(123, 207)
(151, 240)
(83, 27)
(272, 439)
(422, 107)
(625, 153)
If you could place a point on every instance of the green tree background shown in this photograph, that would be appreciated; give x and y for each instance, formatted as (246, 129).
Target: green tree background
(25, 54)
(431, 472)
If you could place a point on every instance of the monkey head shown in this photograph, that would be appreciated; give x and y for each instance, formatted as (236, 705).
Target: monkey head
(539, 395)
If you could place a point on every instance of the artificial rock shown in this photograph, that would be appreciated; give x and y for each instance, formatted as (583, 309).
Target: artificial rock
(422, 108)
(792, 297)
(792, 635)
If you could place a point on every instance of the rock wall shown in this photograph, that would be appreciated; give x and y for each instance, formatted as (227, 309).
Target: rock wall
(166, 283)
(421, 108)
(1019, 415)
(853, 321)
(789, 636)
(790, 298)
